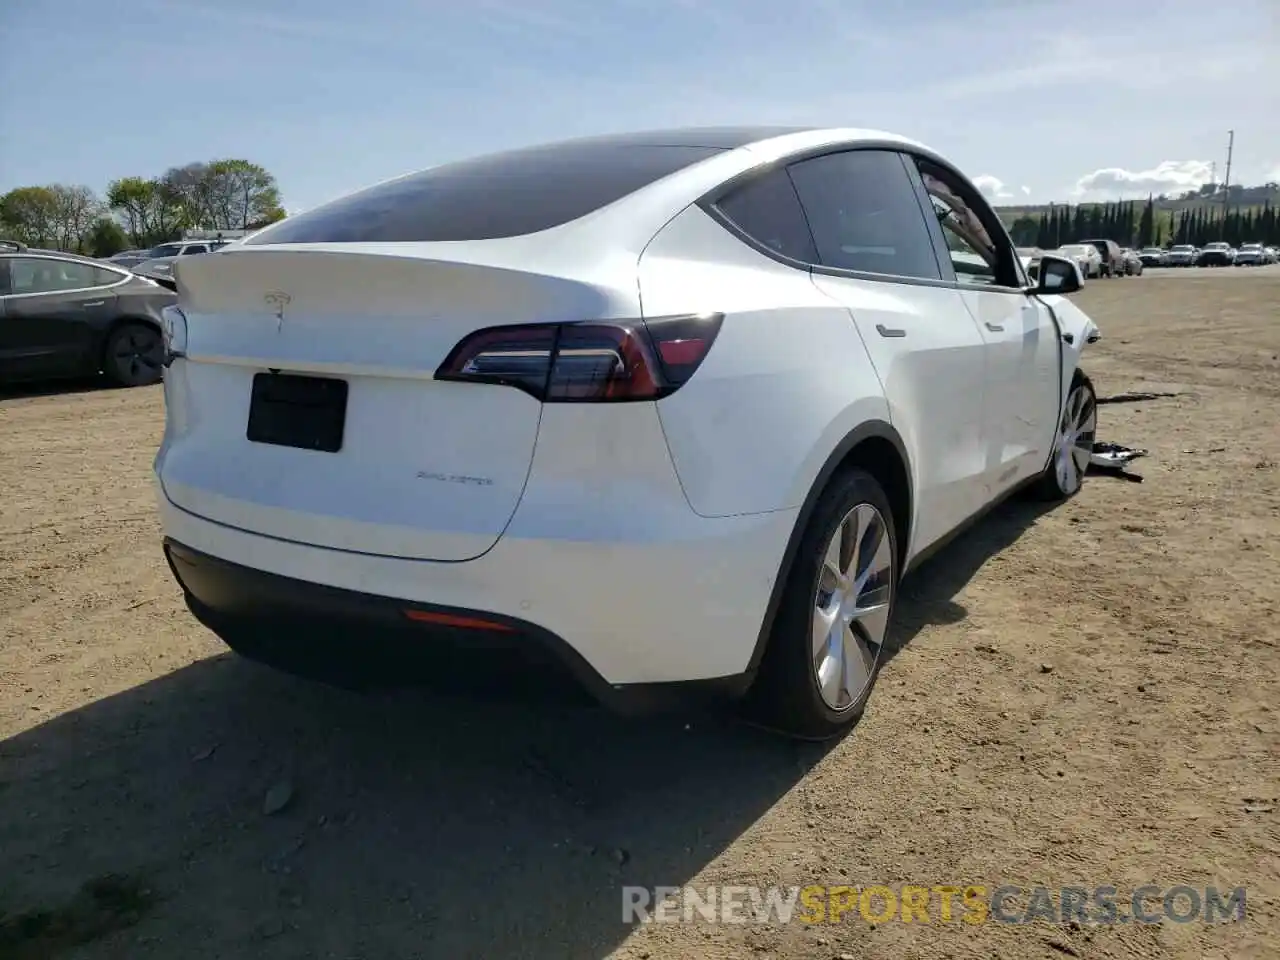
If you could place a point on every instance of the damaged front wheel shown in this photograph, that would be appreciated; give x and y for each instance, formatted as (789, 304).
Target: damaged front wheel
(1073, 446)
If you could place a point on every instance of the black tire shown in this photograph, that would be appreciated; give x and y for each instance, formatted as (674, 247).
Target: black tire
(134, 355)
(1061, 484)
(786, 696)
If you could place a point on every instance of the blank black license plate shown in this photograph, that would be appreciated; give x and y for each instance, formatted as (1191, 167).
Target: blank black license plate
(294, 411)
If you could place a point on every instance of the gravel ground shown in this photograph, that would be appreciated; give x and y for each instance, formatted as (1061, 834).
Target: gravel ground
(1088, 695)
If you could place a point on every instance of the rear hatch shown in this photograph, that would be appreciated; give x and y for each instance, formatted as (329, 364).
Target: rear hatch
(306, 409)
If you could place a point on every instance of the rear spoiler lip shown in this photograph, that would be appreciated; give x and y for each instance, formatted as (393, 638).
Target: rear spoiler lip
(167, 282)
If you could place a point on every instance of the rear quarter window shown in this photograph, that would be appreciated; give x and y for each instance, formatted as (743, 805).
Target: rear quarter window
(503, 195)
(767, 210)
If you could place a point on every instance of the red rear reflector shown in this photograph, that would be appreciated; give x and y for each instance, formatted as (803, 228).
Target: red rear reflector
(453, 620)
(681, 352)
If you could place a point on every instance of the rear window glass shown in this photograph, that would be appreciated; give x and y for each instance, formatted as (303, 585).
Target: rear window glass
(502, 195)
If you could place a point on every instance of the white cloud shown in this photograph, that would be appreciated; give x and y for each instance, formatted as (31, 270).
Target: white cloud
(1168, 176)
(1026, 191)
(992, 187)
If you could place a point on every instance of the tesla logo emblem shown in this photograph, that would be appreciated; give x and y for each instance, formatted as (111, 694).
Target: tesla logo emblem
(276, 302)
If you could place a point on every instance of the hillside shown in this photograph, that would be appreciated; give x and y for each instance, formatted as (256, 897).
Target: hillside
(1210, 193)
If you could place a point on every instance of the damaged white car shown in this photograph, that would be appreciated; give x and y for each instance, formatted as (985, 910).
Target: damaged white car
(678, 409)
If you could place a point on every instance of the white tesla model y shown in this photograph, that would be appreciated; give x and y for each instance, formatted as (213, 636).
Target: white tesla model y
(677, 409)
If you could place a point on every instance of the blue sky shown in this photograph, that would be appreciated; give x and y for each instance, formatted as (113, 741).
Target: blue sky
(1039, 98)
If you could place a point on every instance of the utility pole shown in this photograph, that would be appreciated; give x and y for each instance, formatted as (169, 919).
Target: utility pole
(1226, 183)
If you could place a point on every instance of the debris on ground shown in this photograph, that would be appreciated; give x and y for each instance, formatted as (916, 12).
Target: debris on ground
(1112, 459)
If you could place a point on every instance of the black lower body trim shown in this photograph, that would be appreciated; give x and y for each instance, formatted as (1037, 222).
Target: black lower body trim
(361, 640)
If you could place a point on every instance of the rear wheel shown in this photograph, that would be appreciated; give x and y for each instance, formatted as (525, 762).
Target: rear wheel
(830, 632)
(134, 355)
(1073, 446)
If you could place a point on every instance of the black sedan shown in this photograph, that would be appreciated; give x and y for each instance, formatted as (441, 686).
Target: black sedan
(1216, 255)
(67, 316)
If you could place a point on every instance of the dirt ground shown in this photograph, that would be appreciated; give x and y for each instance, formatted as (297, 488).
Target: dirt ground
(1088, 695)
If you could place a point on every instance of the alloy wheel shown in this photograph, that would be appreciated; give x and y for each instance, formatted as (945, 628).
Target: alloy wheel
(851, 606)
(1075, 439)
(138, 355)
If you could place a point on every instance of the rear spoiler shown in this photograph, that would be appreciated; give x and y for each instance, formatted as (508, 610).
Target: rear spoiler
(165, 280)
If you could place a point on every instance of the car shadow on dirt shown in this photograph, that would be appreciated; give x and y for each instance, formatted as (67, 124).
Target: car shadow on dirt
(243, 812)
(928, 593)
(53, 388)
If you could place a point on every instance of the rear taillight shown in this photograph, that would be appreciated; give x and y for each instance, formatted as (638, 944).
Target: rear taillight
(173, 331)
(588, 361)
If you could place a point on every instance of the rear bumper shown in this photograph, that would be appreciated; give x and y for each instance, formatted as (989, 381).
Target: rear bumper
(350, 638)
(638, 624)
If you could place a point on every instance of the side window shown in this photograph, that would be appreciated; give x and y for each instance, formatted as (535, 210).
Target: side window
(976, 254)
(38, 275)
(864, 214)
(768, 211)
(193, 248)
(103, 277)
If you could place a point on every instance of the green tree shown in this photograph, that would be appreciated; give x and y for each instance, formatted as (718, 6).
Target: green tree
(57, 215)
(1147, 225)
(187, 189)
(238, 193)
(77, 208)
(106, 237)
(274, 216)
(1023, 231)
(1042, 230)
(150, 211)
(30, 215)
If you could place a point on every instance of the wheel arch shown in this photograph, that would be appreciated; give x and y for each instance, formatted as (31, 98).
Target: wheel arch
(874, 446)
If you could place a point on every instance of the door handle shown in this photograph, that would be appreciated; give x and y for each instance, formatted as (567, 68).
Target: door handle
(889, 331)
(1068, 338)
(96, 303)
(994, 327)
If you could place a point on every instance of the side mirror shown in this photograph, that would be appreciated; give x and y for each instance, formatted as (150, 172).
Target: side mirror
(1058, 276)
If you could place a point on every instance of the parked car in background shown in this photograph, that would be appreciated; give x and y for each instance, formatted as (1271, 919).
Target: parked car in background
(1112, 258)
(457, 411)
(128, 258)
(1217, 254)
(1030, 257)
(160, 259)
(63, 315)
(1271, 255)
(1153, 257)
(1251, 255)
(1086, 255)
(1181, 255)
(1132, 262)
